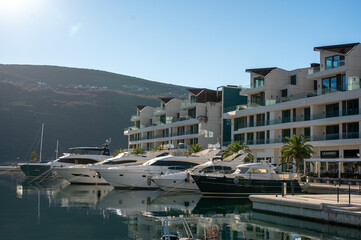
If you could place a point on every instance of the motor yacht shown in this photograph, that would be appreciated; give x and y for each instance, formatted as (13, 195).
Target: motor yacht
(251, 178)
(140, 176)
(86, 174)
(181, 181)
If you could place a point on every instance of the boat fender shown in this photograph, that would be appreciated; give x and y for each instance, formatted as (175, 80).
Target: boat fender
(188, 177)
(236, 181)
(149, 180)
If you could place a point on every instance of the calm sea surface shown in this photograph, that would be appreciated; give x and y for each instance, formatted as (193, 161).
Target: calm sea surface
(54, 209)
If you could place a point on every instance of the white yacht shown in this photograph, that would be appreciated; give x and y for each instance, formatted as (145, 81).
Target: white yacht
(86, 174)
(182, 181)
(80, 156)
(140, 176)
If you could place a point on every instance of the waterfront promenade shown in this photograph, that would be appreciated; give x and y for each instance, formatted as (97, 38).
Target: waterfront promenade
(318, 207)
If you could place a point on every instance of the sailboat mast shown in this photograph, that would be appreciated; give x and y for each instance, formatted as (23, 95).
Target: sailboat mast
(41, 141)
(57, 149)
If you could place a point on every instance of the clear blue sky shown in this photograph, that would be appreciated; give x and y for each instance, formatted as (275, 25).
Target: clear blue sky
(194, 43)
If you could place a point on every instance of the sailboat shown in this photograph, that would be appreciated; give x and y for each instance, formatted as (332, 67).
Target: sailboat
(38, 169)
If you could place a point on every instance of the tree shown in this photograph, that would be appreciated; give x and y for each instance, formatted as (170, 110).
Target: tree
(116, 152)
(138, 151)
(193, 148)
(235, 147)
(296, 149)
(33, 157)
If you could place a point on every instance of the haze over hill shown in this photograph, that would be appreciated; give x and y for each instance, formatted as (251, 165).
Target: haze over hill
(80, 107)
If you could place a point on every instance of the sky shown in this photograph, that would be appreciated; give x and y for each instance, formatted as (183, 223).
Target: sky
(194, 43)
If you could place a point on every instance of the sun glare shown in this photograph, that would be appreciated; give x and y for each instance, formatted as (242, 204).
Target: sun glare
(19, 9)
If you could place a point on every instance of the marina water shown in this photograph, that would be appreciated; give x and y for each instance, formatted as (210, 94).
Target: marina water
(54, 209)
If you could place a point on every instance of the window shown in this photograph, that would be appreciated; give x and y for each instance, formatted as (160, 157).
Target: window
(257, 171)
(240, 123)
(307, 132)
(250, 138)
(258, 99)
(239, 138)
(268, 118)
(260, 121)
(192, 113)
(162, 119)
(335, 83)
(242, 170)
(286, 116)
(258, 82)
(268, 136)
(334, 61)
(284, 93)
(350, 107)
(78, 160)
(332, 110)
(307, 114)
(315, 85)
(285, 133)
(350, 130)
(293, 80)
(332, 132)
(251, 121)
(260, 137)
(294, 115)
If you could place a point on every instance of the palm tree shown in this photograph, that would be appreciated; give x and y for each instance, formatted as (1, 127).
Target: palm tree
(235, 147)
(116, 152)
(157, 148)
(296, 149)
(137, 151)
(194, 148)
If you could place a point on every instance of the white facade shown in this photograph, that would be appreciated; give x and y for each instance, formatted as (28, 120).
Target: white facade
(178, 122)
(322, 102)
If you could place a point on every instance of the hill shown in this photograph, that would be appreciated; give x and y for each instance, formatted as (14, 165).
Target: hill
(80, 107)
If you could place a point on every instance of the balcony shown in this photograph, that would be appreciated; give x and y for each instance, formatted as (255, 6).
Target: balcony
(315, 73)
(311, 117)
(135, 117)
(159, 110)
(188, 103)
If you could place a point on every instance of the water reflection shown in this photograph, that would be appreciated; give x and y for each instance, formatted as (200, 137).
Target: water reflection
(87, 210)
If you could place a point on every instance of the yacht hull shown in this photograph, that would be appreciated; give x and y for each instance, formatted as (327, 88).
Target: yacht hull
(36, 169)
(129, 178)
(176, 182)
(230, 186)
(80, 175)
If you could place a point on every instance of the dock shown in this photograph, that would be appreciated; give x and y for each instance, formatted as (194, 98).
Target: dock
(317, 207)
(9, 168)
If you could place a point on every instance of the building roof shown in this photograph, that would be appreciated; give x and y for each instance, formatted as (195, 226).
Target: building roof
(204, 95)
(165, 100)
(261, 71)
(341, 48)
(196, 91)
(140, 107)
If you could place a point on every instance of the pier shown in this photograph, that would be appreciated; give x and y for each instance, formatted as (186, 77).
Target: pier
(331, 208)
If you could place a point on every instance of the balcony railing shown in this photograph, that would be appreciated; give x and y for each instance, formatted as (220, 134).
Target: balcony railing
(188, 102)
(134, 117)
(299, 119)
(158, 110)
(330, 137)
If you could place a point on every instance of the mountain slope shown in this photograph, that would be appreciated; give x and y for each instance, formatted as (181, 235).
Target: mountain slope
(80, 107)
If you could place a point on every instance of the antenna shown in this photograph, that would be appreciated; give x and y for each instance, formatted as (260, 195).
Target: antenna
(41, 141)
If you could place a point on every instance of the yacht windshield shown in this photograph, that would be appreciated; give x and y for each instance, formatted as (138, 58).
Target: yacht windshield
(119, 162)
(89, 151)
(216, 169)
(242, 170)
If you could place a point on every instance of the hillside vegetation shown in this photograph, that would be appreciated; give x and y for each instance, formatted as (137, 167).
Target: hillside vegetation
(80, 107)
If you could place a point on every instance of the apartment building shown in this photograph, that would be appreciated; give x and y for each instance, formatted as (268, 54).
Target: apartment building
(178, 122)
(322, 102)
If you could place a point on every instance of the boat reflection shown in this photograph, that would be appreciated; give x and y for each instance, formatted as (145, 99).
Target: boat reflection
(84, 196)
